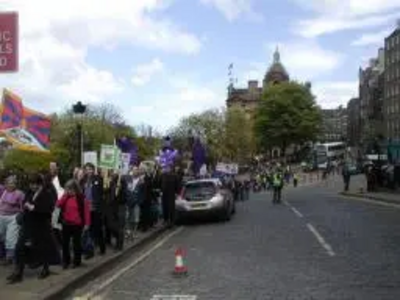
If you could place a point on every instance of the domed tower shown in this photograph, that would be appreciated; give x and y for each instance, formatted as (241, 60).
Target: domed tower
(276, 72)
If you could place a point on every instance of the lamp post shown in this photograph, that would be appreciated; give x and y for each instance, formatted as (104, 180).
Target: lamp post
(79, 110)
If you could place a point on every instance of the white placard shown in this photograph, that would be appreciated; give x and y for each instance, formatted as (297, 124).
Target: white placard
(90, 157)
(125, 159)
(231, 169)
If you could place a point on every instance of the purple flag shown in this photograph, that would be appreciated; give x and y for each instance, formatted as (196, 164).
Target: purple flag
(127, 145)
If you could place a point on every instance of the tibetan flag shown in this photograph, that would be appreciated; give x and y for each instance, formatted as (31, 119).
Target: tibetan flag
(12, 111)
(38, 125)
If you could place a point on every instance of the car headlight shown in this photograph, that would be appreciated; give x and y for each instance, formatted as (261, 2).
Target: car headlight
(217, 200)
(179, 202)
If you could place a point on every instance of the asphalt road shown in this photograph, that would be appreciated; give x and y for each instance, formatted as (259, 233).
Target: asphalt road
(316, 246)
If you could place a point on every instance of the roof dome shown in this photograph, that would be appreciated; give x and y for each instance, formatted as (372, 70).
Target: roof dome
(276, 72)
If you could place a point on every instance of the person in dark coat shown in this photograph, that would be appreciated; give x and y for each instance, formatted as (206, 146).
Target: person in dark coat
(92, 186)
(148, 198)
(116, 211)
(169, 190)
(36, 239)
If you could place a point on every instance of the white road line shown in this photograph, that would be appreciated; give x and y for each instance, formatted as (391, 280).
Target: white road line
(97, 289)
(294, 209)
(321, 240)
(299, 214)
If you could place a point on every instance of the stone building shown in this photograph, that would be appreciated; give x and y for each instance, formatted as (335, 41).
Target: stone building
(353, 124)
(334, 125)
(391, 102)
(248, 98)
(371, 88)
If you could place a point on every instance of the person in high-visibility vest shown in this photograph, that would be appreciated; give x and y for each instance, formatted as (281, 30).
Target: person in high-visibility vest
(277, 186)
(295, 179)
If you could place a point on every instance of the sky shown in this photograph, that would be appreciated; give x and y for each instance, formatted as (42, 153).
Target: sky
(161, 60)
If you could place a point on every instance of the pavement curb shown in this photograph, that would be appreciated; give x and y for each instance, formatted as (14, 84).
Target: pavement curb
(61, 291)
(369, 197)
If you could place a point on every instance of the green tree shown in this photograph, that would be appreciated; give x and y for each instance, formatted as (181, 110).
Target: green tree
(238, 142)
(101, 124)
(210, 124)
(286, 115)
(27, 161)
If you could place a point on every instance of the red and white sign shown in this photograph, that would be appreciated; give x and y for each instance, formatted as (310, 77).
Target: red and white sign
(8, 42)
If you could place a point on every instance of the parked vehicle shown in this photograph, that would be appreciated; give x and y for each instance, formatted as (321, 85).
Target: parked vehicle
(205, 198)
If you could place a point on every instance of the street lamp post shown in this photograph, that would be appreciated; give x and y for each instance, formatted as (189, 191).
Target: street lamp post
(79, 110)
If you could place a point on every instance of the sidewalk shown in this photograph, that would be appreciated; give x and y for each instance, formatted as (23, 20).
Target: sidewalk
(358, 188)
(62, 282)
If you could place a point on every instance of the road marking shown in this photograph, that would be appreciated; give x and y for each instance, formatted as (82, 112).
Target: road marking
(299, 214)
(321, 240)
(174, 297)
(100, 287)
(294, 209)
(370, 201)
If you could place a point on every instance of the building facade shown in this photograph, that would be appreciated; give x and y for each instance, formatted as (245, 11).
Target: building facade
(334, 125)
(353, 123)
(391, 102)
(248, 98)
(371, 95)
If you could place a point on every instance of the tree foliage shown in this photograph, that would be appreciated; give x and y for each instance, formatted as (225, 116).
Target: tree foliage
(287, 115)
(227, 134)
(239, 138)
(27, 161)
(210, 124)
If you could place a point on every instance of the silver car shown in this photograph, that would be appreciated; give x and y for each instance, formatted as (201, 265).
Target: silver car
(205, 197)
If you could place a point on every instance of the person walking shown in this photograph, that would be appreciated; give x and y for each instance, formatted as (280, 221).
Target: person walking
(36, 239)
(295, 179)
(132, 191)
(92, 185)
(169, 190)
(11, 204)
(277, 187)
(74, 218)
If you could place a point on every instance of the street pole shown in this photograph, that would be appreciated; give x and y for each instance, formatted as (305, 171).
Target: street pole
(79, 110)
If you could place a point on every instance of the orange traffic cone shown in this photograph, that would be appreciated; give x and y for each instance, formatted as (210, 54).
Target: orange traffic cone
(180, 268)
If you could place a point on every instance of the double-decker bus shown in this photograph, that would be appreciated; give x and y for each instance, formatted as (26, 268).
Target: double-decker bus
(328, 152)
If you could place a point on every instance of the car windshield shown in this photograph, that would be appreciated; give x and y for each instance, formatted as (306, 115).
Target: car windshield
(199, 189)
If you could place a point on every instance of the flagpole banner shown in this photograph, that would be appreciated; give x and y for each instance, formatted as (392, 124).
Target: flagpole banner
(22, 127)
(108, 157)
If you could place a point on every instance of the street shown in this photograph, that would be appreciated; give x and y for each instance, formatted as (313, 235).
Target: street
(317, 245)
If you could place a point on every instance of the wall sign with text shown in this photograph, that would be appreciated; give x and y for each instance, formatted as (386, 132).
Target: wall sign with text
(9, 42)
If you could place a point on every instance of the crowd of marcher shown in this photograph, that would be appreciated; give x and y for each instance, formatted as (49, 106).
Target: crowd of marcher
(46, 220)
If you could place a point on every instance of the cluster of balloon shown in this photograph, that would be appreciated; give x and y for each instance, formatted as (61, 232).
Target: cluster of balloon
(167, 155)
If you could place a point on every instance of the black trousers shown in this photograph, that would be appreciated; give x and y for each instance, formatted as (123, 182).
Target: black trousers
(72, 233)
(145, 215)
(97, 230)
(168, 208)
(277, 195)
